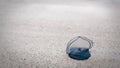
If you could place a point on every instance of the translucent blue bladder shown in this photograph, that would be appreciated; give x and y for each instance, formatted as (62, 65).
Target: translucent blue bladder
(78, 48)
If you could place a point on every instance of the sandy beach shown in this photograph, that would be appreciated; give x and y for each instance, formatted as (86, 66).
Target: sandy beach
(35, 33)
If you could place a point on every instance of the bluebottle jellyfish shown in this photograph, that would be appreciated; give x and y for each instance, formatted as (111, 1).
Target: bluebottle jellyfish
(78, 48)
